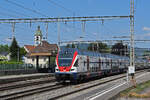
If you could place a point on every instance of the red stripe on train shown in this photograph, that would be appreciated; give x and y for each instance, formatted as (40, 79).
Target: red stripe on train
(66, 68)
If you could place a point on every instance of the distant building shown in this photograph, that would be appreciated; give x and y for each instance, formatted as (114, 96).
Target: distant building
(40, 53)
(4, 56)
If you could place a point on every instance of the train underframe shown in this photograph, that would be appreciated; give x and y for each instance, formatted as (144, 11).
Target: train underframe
(77, 77)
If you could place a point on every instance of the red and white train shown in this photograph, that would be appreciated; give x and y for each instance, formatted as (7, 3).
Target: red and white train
(75, 65)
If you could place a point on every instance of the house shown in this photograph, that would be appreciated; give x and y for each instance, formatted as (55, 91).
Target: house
(4, 56)
(40, 54)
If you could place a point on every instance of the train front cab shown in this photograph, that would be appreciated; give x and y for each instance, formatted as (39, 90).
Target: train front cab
(66, 69)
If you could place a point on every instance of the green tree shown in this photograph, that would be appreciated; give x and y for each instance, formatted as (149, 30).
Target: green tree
(4, 48)
(90, 47)
(103, 48)
(14, 50)
(119, 49)
(99, 47)
(22, 52)
(68, 45)
(73, 46)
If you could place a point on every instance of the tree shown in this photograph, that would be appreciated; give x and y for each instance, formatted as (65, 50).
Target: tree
(68, 46)
(119, 49)
(22, 52)
(99, 47)
(90, 47)
(4, 48)
(73, 46)
(103, 48)
(14, 50)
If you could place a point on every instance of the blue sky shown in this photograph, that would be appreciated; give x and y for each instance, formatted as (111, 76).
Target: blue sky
(73, 30)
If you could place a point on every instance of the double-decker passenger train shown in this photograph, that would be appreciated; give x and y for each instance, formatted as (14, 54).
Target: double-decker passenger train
(73, 64)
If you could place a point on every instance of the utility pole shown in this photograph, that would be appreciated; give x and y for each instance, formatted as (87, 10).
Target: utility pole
(132, 59)
(46, 31)
(83, 28)
(58, 31)
(13, 30)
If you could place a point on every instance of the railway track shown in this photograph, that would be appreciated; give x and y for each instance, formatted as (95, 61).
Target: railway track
(49, 88)
(13, 79)
(26, 84)
(22, 94)
(85, 88)
(88, 87)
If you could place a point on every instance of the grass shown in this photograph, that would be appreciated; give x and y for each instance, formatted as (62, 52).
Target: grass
(135, 92)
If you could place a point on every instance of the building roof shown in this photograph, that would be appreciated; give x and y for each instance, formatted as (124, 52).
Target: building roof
(4, 53)
(43, 49)
(29, 48)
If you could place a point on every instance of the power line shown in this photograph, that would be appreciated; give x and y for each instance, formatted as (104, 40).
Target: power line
(68, 10)
(10, 10)
(9, 15)
(29, 9)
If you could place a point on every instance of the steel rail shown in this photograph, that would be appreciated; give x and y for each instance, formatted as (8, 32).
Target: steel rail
(21, 94)
(26, 84)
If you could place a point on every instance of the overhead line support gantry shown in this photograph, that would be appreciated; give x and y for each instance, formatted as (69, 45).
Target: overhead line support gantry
(62, 19)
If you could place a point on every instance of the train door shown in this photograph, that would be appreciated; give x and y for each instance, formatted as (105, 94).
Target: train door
(111, 66)
(88, 68)
(99, 69)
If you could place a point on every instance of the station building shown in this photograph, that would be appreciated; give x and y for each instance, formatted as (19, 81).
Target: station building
(41, 53)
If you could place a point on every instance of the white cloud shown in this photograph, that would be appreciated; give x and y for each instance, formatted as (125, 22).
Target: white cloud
(146, 28)
(142, 36)
(147, 34)
(95, 33)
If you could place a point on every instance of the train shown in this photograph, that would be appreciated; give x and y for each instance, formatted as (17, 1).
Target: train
(75, 65)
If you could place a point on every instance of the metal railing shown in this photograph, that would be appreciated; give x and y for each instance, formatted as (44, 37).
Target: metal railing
(4, 67)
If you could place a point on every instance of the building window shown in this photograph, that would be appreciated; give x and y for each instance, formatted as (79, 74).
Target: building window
(33, 59)
(37, 38)
(44, 59)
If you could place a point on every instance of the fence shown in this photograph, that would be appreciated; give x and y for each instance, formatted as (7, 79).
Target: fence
(15, 69)
(7, 67)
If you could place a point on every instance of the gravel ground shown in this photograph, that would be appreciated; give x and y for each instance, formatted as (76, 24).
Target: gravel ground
(147, 90)
(133, 99)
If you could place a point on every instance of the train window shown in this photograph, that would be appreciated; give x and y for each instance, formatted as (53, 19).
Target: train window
(120, 63)
(107, 62)
(64, 62)
(84, 63)
(76, 63)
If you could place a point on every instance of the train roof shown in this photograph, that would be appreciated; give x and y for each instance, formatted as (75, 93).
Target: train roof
(96, 54)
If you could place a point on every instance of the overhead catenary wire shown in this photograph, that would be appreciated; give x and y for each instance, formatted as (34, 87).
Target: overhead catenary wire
(7, 14)
(59, 5)
(29, 9)
(12, 11)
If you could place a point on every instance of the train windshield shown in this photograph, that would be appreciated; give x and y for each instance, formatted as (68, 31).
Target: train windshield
(64, 61)
(65, 57)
